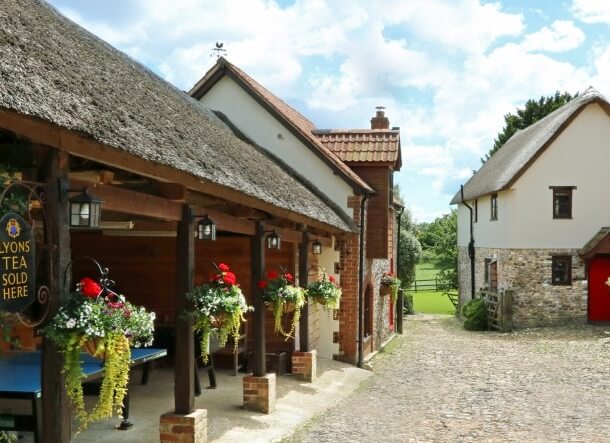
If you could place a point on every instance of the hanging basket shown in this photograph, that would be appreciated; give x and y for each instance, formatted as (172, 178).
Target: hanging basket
(218, 320)
(95, 348)
(385, 290)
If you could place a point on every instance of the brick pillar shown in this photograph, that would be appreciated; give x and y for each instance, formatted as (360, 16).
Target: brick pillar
(304, 365)
(349, 247)
(259, 393)
(189, 428)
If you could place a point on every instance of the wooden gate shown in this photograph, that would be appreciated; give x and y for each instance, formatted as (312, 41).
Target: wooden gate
(500, 310)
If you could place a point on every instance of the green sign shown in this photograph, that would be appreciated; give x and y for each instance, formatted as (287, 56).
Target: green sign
(17, 264)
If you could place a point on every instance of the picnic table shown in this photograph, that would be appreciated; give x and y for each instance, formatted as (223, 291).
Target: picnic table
(20, 379)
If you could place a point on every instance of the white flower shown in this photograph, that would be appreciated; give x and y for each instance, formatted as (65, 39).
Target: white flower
(71, 323)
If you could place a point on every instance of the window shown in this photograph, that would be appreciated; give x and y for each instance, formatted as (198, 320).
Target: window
(494, 207)
(562, 201)
(476, 211)
(561, 270)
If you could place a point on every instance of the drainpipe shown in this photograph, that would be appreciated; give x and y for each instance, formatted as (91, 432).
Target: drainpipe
(470, 244)
(361, 284)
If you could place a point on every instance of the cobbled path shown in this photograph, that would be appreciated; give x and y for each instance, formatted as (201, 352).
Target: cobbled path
(439, 383)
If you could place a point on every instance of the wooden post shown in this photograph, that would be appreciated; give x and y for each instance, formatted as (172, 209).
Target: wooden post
(56, 411)
(184, 382)
(258, 266)
(507, 311)
(303, 272)
(399, 310)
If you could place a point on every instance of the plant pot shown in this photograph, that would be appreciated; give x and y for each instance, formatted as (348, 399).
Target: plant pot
(385, 290)
(288, 307)
(218, 320)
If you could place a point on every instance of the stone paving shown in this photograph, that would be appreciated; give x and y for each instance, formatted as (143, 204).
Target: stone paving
(439, 383)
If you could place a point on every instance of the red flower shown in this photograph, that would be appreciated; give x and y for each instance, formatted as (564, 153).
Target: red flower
(289, 277)
(213, 276)
(272, 275)
(90, 288)
(331, 279)
(262, 284)
(223, 267)
(230, 278)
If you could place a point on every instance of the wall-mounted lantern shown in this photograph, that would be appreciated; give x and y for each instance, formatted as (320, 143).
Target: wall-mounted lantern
(206, 229)
(85, 211)
(316, 247)
(273, 240)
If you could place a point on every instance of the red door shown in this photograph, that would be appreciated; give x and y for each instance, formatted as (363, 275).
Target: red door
(599, 293)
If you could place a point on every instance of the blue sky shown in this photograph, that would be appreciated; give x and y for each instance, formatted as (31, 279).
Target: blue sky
(447, 71)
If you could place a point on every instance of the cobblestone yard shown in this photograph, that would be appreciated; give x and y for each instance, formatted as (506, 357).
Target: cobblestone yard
(439, 383)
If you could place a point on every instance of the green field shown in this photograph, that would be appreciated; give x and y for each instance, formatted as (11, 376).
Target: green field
(430, 302)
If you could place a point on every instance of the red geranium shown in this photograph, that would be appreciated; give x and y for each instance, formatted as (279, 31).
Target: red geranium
(331, 279)
(90, 288)
(289, 277)
(272, 275)
(222, 267)
(263, 284)
(229, 278)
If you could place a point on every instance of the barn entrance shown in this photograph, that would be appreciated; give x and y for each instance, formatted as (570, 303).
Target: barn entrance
(599, 292)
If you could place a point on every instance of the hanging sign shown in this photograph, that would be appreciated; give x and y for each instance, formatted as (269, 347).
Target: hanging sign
(17, 264)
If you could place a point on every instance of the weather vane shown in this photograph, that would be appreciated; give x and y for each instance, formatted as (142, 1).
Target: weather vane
(218, 50)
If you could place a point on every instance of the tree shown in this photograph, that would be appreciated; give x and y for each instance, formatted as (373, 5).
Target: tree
(534, 110)
(440, 239)
(410, 250)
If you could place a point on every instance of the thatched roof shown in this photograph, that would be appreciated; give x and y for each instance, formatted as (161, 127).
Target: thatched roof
(54, 70)
(522, 149)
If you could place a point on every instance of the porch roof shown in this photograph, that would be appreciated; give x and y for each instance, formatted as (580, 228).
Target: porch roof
(57, 72)
(600, 243)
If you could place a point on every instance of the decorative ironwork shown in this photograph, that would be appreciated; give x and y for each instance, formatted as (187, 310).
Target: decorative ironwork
(105, 282)
(37, 313)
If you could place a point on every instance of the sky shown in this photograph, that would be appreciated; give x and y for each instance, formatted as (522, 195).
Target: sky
(447, 71)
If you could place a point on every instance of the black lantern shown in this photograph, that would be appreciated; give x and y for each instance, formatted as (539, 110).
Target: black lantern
(316, 247)
(273, 240)
(206, 229)
(85, 211)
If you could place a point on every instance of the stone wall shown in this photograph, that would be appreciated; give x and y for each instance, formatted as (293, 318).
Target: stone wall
(528, 272)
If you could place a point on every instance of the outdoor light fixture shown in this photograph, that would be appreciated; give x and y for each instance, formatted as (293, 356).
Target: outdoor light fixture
(316, 247)
(85, 211)
(273, 240)
(206, 229)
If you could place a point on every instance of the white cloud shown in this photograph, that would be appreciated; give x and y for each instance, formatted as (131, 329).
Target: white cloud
(562, 35)
(592, 11)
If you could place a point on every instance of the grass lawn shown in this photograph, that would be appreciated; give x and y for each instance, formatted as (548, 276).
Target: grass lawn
(432, 302)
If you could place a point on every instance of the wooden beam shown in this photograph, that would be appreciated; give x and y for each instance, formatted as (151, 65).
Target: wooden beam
(258, 267)
(325, 241)
(172, 191)
(226, 222)
(131, 202)
(288, 235)
(46, 133)
(184, 369)
(56, 409)
(303, 280)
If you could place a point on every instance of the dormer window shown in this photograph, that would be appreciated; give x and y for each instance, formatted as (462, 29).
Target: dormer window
(562, 201)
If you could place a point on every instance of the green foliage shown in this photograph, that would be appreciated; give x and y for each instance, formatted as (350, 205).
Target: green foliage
(281, 297)
(439, 240)
(325, 292)
(534, 110)
(410, 249)
(15, 200)
(8, 437)
(475, 315)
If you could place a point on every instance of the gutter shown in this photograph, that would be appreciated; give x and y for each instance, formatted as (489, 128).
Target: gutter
(471, 251)
(361, 283)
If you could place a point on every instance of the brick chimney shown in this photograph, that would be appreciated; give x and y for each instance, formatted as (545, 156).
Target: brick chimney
(380, 121)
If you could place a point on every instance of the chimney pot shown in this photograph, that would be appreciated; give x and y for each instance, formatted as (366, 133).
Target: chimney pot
(380, 121)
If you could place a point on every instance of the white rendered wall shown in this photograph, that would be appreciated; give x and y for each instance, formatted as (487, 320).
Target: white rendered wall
(579, 157)
(261, 127)
(327, 348)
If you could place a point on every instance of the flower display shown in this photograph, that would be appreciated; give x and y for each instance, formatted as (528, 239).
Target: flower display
(282, 297)
(391, 283)
(325, 292)
(218, 305)
(107, 326)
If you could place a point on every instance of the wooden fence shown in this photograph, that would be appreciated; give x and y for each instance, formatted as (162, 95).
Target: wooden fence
(500, 310)
(425, 285)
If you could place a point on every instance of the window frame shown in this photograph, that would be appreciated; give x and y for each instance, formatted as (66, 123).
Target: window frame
(557, 259)
(493, 216)
(563, 189)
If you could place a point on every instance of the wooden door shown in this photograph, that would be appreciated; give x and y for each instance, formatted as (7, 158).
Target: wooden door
(599, 293)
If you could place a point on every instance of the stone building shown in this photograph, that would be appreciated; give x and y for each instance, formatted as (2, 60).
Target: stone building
(535, 216)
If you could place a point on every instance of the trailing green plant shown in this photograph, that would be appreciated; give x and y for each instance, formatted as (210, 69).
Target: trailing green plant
(282, 297)
(106, 325)
(390, 279)
(15, 200)
(325, 292)
(8, 437)
(475, 315)
(218, 305)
